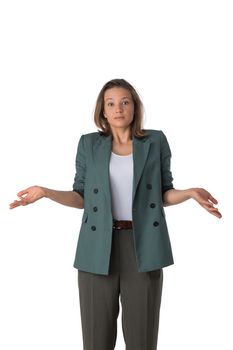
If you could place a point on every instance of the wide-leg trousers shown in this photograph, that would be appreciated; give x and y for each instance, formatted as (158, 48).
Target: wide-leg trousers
(140, 297)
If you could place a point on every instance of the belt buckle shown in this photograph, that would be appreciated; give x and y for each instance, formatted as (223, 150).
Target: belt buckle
(115, 227)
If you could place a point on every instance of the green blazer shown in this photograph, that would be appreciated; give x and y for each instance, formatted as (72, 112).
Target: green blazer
(152, 177)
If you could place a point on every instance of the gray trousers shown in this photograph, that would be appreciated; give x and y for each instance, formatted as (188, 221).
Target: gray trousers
(140, 296)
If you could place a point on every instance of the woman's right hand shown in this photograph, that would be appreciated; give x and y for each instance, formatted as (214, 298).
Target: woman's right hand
(28, 196)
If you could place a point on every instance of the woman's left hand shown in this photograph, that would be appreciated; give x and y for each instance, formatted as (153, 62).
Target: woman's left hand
(206, 200)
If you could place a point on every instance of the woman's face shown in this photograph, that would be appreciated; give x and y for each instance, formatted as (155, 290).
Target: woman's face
(118, 107)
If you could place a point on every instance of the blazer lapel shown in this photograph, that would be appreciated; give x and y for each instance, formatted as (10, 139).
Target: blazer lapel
(101, 155)
(141, 148)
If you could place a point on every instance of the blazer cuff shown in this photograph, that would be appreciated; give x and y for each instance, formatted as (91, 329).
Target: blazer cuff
(80, 192)
(167, 188)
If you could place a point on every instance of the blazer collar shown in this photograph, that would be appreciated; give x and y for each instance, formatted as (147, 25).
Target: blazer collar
(101, 155)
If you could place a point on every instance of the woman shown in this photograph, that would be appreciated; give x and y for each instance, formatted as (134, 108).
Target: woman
(123, 181)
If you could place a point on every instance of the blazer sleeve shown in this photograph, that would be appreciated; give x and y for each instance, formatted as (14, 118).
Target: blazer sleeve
(165, 155)
(80, 162)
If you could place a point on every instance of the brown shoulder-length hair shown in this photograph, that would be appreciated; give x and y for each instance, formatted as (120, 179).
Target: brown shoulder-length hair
(102, 123)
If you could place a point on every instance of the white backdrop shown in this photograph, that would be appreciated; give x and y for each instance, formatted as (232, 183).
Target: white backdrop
(55, 57)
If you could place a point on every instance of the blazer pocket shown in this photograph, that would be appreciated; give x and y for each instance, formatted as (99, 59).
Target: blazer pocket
(85, 217)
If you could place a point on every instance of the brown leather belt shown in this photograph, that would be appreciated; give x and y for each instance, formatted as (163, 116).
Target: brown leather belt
(122, 224)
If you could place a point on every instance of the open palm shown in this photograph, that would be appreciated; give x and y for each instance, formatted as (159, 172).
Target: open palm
(206, 200)
(28, 196)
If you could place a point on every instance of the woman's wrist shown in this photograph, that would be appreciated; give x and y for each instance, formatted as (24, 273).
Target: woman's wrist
(44, 191)
(190, 192)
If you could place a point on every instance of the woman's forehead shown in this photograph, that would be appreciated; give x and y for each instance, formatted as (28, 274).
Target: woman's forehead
(117, 92)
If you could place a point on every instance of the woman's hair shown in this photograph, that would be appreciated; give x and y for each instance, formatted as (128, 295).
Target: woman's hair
(102, 123)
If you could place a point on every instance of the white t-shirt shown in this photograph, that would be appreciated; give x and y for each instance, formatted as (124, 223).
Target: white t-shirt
(121, 185)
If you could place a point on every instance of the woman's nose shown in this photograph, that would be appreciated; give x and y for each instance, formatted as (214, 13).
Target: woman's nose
(119, 107)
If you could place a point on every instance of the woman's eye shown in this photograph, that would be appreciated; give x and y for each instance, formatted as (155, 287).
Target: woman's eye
(110, 104)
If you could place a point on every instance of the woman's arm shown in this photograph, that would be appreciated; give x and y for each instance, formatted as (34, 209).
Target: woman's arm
(69, 198)
(203, 197)
(34, 193)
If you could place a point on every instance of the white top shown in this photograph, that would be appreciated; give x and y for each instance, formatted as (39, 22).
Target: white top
(121, 185)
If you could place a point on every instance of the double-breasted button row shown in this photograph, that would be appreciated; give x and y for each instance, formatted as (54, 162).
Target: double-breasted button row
(152, 205)
(149, 187)
(95, 190)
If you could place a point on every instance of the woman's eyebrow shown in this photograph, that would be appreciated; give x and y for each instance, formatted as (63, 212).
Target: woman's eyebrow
(110, 98)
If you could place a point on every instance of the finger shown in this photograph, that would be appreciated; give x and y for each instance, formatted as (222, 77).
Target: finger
(14, 204)
(217, 213)
(15, 201)
(22, 193)
(210, 207)
(19, 202)
(206, 204)
(214, 200)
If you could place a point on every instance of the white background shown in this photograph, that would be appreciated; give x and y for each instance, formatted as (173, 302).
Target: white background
(55, 58)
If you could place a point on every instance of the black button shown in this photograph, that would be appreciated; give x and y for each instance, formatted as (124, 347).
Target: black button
(93, 228)
(155, 223)
(149, 186)
(95, 208)
(134, 209)
(152, 205)
(95, 190)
